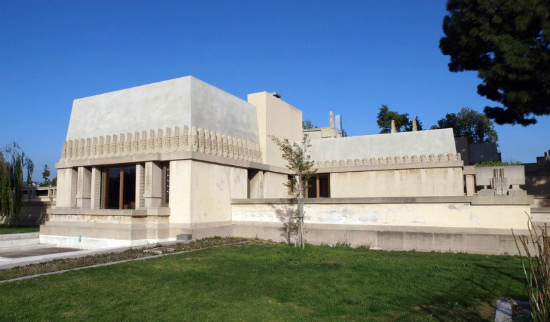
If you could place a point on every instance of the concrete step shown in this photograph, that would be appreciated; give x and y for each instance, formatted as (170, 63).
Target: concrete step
(14, 240)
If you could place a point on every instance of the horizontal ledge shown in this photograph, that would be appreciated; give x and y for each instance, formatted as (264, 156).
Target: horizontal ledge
(391, 166)
(169, 156)
(440, 230)
(474, 200)
(159, 212)
(540, 210)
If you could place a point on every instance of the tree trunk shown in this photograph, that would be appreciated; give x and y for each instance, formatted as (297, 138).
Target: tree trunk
(300, 214)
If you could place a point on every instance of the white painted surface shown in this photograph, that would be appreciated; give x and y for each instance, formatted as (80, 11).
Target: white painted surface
(457, 215)
(177, 102)
(384, 145)
(94, 243)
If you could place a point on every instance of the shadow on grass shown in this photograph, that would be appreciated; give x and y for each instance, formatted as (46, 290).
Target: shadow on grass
(466, 300)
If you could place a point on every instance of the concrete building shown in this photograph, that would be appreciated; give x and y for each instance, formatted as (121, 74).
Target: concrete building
(181, 157)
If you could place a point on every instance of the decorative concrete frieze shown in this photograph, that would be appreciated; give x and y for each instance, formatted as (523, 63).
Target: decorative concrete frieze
(143, 142)
(225, 146)
(88, 150)
(128, 145)
(207, 142)
(113, 149)
(75, 150)
(94, 151)
(151, 142)
(432, 158)
(107, 146)
(200, 132)
(159, 140)
(499, 183)
(167, 145)
(164, 141)
(121, 145)
(175, 141)
(185, 143)
(101, 146)
(195, 139)
(64, 150)
(82, 148)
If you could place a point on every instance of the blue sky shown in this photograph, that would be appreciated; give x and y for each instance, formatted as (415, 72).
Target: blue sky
(346, 56)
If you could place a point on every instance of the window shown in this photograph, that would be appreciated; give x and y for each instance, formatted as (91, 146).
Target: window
(319, 186)
(119, 188)
(165, 184)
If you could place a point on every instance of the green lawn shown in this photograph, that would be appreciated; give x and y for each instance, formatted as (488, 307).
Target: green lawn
(265, 282)
(18, 230)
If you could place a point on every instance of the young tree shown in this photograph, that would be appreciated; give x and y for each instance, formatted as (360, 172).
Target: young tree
(301, 165)
(508, 43)
(12, 162)
(402, 122)
(46, 177)
(476, 127)
(307, 124)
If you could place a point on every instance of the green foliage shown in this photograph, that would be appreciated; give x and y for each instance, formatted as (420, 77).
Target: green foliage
(12, 162)
(402, 122)
(46, 177)
(4, 229)
(476, 127)
(507, 43)
(496, 164)
(266, 282)
(299, 162)
(536, 268)
(54, 182)
(307, 124)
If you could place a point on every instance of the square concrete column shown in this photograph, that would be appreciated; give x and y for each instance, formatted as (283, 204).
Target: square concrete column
(96, 188)
(83, 188)
(140, 185)
(66, 185)
(470, 185)
(153, 185)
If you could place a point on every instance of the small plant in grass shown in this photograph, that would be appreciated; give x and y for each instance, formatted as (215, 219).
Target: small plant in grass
(536, 267)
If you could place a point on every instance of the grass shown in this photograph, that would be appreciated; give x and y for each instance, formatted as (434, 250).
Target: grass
(272, 282)
(18, 229)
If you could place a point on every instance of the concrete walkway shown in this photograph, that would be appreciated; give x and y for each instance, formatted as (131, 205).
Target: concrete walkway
(39, 253)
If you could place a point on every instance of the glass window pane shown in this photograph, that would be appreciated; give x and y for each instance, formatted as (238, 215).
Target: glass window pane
(112, 188)
(129, 188)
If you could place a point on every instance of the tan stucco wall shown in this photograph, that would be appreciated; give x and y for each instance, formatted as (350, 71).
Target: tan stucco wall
(459, 215)
(274, 185)
(398, 183)
(212, 187)
(277, 118)
(180, 191)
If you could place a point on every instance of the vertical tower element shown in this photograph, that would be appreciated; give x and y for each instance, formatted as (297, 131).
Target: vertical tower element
(415, 126)
(393, 130)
